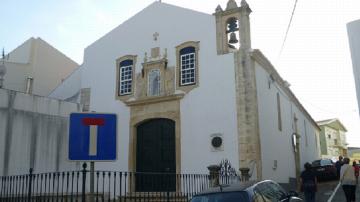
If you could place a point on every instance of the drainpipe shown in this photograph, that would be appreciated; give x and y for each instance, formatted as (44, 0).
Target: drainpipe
(29, 85)
(2, 72)
(1, 81)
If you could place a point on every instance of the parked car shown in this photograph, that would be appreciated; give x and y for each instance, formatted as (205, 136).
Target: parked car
(264, 191)
(324, 169)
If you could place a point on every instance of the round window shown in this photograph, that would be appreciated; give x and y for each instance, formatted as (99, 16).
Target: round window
(216, 142)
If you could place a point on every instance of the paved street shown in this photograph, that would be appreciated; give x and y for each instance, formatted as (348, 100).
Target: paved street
(340, 197)
(325, 190)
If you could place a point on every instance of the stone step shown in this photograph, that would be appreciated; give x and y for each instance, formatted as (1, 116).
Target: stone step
(155, 197)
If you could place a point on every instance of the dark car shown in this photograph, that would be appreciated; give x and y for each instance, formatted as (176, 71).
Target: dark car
(324, 169)
(264, 191)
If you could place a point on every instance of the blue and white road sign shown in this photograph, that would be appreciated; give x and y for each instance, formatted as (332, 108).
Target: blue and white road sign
(92, 137)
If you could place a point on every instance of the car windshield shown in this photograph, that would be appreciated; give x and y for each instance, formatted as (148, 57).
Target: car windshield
(326, 162)
(316, 163)
(322, 162)
(240, 196)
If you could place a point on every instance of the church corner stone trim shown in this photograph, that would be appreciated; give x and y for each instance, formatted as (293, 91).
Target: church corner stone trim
(118, 61)
(249, 142)
(187, 88)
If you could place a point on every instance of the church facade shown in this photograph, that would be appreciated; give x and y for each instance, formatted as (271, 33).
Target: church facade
(189, 91)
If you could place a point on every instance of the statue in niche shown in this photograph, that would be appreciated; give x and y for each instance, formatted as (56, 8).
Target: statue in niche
(154, 82)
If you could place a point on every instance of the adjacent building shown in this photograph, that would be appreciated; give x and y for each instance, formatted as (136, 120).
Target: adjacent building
(332, 138)
(35, 67)
(33, 133)
(190, 91)
(353, 29)
(354, 153)
(33, 128)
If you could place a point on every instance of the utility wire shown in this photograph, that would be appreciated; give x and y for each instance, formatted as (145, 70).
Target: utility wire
(287, 30)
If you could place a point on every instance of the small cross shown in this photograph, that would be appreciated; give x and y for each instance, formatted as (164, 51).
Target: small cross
(156, 35)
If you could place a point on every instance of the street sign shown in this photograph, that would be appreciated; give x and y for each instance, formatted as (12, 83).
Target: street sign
(92, 137)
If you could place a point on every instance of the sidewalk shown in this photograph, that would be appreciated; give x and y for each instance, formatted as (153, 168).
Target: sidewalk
(340, 196)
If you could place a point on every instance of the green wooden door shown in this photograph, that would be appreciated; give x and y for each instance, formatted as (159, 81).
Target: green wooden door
(155, 156)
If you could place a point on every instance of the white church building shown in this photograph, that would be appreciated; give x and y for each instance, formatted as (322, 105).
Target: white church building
(190, 91)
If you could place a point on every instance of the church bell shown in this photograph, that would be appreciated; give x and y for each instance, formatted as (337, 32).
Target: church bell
(233, 38)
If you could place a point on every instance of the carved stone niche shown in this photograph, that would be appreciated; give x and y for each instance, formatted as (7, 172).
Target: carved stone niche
(155, 82)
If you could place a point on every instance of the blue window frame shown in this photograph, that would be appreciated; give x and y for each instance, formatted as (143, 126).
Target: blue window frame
(187, 66)
(126, 77)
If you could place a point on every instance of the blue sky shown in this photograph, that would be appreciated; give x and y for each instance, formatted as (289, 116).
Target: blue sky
(315, 60)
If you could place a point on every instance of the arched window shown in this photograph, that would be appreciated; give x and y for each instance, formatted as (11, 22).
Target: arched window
(126, 77)
(154, 82)
(187, 66)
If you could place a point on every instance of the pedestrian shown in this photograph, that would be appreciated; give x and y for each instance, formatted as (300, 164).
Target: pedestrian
(348, 180)
(356, 170)
(338, 165)
(308, 183)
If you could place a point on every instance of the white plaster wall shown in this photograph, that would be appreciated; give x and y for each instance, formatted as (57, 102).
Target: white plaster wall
(353, 29)
(39, 127)
(201, 113)
(309, 152)
(70, 87)
(20, 158)
(210, 109)
(44, 105)
(276, 145)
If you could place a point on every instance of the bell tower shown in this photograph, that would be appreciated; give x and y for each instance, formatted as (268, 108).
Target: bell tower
(233, 36)
(232, 27)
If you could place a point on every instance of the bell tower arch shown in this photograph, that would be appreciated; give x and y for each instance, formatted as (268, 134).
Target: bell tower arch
(232, 27)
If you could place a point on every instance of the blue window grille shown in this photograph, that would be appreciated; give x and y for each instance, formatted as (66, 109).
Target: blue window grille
(125, 84)
(187, 66)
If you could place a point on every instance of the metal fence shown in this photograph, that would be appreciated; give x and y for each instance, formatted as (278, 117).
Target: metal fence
(105, 186)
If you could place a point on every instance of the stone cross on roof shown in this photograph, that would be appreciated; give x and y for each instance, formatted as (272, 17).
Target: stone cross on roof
(156, 35)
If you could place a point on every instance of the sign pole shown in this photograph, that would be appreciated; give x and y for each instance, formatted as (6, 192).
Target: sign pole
(92, 182)
(99, 130)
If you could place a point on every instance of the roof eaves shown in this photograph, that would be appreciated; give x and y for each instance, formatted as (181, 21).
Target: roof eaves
(257, 55)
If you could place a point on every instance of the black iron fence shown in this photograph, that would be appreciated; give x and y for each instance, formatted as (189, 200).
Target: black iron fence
(106, 186)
